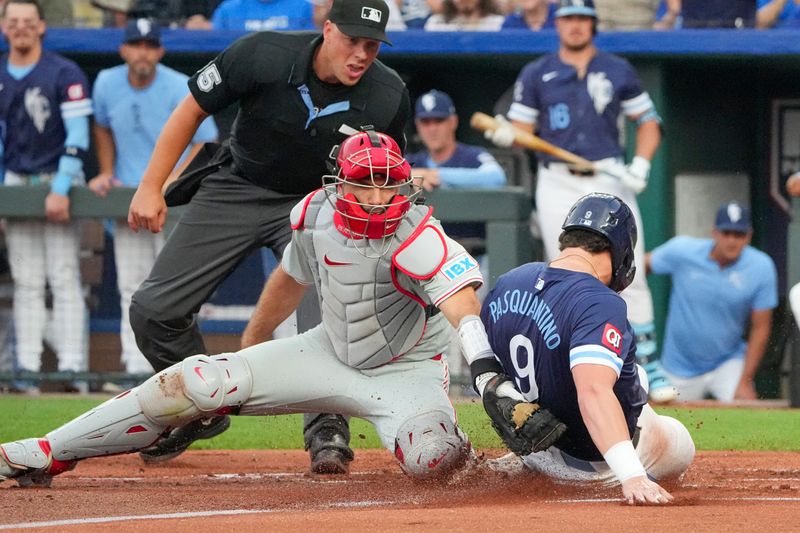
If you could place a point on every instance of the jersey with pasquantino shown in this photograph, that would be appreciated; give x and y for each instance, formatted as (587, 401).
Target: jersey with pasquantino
(579, 114)
(33, 109)
(542, 322)
(137, 116)
(709, 306)
(289, 121)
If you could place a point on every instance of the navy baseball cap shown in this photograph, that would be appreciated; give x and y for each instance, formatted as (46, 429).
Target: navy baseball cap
(361, 18)
(434, 104)
(142, 30)
(733, 216)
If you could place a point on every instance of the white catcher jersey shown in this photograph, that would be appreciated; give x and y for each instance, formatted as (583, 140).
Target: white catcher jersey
(377, 309)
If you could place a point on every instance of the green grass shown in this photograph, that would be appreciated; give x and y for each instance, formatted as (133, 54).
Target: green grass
(712, 429)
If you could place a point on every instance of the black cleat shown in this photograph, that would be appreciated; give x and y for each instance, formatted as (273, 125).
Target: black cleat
(327, 440)
(179, 439)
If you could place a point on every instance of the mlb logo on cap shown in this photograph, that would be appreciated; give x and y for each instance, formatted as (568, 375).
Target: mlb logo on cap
(361, 18)
(434, 104)
(369, 13)
(733, 216)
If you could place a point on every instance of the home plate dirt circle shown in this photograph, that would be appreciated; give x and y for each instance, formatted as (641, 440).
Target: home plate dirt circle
(272, 491)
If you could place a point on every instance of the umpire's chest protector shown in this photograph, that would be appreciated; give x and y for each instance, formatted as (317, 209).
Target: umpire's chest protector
(288, 123)
(372, 312)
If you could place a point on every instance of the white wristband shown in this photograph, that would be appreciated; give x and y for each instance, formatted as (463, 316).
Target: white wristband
(482, 380)
(474, 342)
(623, 461)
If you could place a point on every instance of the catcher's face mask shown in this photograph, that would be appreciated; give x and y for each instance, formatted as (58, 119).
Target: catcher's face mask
(373, 189)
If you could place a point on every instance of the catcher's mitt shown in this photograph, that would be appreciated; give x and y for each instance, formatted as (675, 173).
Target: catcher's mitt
(523, 426)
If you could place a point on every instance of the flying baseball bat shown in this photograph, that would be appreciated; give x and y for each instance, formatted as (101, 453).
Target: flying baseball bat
(483, 122)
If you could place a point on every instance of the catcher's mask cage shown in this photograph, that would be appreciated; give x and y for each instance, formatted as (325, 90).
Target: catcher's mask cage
(370, 160)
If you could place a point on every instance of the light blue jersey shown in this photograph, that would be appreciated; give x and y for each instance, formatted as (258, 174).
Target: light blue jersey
(709, 306)
(259, 15)
(468, 167)
(136, 116)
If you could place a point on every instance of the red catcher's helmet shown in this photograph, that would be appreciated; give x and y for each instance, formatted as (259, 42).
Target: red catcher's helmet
(370, 159)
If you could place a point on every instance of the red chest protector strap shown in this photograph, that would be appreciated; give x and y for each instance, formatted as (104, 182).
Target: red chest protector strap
(297, 217)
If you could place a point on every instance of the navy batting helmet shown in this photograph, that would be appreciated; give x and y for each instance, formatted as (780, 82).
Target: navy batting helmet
(576, 7)
(613, 219)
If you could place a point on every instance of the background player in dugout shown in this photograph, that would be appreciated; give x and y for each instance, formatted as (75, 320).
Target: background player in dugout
(131, 104)
(44, 110)
(392, 287)
(559, 337)
(304, 94)
(573, 98)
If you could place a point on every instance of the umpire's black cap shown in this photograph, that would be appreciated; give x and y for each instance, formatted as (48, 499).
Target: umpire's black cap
(361, 18)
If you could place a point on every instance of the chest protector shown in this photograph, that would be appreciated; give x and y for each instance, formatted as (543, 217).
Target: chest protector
(374, 309)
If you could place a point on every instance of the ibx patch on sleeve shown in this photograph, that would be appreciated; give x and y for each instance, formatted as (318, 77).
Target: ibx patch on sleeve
(612, 338)
(459, 266)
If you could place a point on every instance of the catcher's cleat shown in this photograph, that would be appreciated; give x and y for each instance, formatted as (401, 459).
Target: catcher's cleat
(331, 461)
(179, 439)
(327, 440)
(30, 463)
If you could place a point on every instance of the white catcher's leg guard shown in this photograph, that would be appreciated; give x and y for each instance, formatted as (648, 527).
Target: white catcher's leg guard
(430, 446)
(136, 418)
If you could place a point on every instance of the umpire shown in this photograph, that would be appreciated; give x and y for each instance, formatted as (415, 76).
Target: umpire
(299, 95)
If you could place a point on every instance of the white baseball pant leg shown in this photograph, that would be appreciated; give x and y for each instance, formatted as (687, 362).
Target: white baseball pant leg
(302, 374)
(665, 449)
(134, 255)
(25, 242)
(42, 252)
(557, 191)
(721, 382)
(794, 303)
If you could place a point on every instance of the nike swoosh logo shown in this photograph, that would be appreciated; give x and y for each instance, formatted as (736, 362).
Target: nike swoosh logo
(549, 76)
(331, 262)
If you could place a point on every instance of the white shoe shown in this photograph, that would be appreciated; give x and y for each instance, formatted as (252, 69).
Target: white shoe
(510, 464)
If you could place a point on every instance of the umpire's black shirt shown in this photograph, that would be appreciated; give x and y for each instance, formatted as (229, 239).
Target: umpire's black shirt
(288, 119)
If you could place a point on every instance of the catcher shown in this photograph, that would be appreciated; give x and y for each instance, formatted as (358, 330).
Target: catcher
(562, 340)
(390, 284)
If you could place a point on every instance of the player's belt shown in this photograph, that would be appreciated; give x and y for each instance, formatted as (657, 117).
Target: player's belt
(563, 167)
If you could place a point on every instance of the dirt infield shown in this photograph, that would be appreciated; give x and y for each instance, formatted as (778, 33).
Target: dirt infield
(270, 491)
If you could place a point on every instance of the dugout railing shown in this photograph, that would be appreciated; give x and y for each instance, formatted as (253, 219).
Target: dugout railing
(504, 211)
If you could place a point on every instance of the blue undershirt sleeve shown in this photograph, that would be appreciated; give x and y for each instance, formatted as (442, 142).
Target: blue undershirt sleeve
(70, 166)
(491, 176)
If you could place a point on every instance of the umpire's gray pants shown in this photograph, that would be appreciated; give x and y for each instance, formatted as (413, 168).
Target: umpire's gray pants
(227, 219)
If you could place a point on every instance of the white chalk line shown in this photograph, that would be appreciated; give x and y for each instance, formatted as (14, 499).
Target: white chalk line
(703, 499)
(192, 514)
(302, 477)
